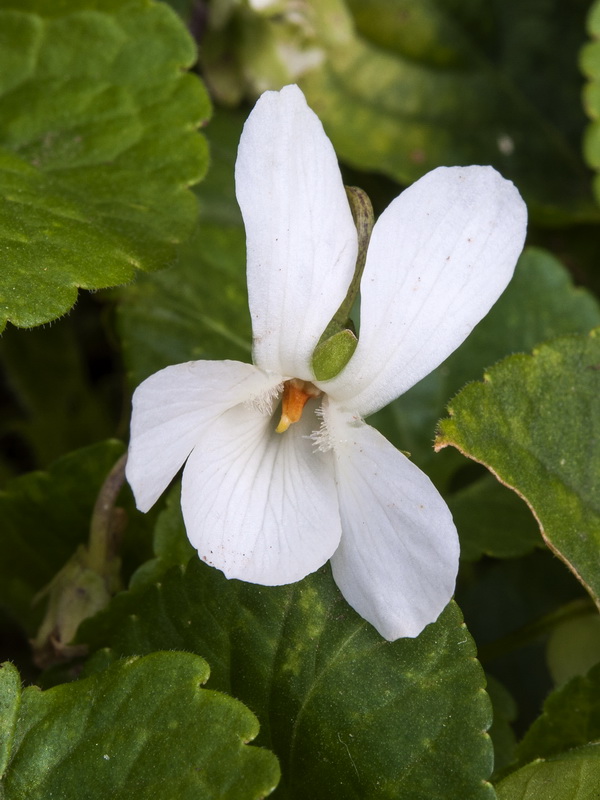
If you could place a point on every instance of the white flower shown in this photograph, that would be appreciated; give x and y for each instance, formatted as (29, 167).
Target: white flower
(271, 507)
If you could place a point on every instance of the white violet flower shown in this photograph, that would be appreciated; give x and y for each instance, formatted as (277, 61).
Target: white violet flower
(270, 498)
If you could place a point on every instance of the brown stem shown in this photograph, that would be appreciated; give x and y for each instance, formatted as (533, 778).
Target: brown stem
(102, 544)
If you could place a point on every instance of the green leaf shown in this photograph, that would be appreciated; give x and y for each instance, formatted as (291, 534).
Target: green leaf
(171, 545)
(540, 303)
(97, 148)
(507, 605)
(574, 646)
(185, 9)
(199, 309)
(10, 690)
(571, 776)
(403, 87)
(590, 65)
(144, 728)
(492, 521)
(534, 424)
(45, 516)
(501, 732)
(340, 707)
(571, 718)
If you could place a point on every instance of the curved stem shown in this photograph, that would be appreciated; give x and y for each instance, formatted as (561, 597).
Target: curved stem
(101, 546)
(362, 214)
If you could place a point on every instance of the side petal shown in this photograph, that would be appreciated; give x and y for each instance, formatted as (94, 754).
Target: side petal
(439, 258)
(258, 505)
(171, 410)
(398, 557)
(301, 240)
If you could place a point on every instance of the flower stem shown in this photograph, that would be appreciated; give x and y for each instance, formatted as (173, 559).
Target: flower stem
(85, 584)
(362, 214)
(103, 541)
(338, 341)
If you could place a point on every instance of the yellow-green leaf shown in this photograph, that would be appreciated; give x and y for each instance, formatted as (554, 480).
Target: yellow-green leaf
(534, 423)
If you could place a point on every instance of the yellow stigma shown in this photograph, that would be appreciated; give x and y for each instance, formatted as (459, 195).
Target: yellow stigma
(296, 394)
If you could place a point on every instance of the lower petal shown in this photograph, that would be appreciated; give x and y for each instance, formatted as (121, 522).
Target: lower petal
(173, 407)
(398, 558)
(258, 505)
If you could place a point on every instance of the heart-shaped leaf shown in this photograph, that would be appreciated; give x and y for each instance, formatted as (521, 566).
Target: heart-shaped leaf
(97, 148)
(144, 728)
(345, 711)
(534, 423)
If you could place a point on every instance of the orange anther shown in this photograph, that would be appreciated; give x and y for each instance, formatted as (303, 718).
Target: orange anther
(296, 394)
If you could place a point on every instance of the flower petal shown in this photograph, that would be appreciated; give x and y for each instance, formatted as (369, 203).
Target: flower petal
(439, 258)
(301, 239)
(398, 558)
(258, 505)
(172, 408)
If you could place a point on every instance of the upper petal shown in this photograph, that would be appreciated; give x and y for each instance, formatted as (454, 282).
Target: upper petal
(398, 557)
(301, 239)
(439, 258)
(258, 505)
(172, 408)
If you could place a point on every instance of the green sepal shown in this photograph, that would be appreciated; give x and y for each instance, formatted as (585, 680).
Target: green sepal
(332, 355)
(75, 593)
